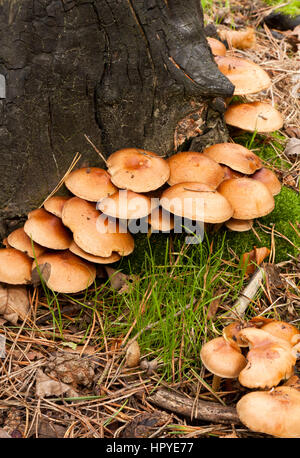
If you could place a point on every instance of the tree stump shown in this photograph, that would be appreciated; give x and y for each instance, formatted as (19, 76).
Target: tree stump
(124, 72)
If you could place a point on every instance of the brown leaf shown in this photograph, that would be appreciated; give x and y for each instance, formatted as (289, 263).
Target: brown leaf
(44, 272)
(239, 39)
(254, 258)
(4, 434)
(213, 306)
(45, 386)
(133, 355)
(14, 303)
(292, 147)
(119, 281)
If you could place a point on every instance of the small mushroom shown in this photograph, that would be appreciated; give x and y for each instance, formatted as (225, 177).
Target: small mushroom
(92, 233)
(269, 179)
(55, 205)
(125, 205)
(75, 249)
(216, 46)
(246, 76)
(248, 198)
(239, 225)
(90, 183)
(161, 220)
(275, 412)
(137, 170)
(15, 267)
(192, 166)
(254, 117)
(19, 239)
(223, 359)
(269, 359)
(47, 230)
(196, 201)
(235, 156)
(67, 272)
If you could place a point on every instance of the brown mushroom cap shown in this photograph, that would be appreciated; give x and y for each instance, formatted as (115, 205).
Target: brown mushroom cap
(229, 173)
(19, 239)
(246, 76)
(235, 156)
(275, 412)
(222, 358)
(254, 116)
(55, 205)
(90, 183)
(68, 273)
(192, 166)
(231, 333)
(15, 267)
(160, 220)
(216, 46)
(196, 201)
(125, 204)
(282, 330)
(94, 234)
(90, 257)
(248, 198)
(269, 360)
(239, 225)
(47, 230)
(269, 179)
(137, 170)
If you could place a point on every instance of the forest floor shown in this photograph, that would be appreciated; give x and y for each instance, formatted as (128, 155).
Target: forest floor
(65, 367)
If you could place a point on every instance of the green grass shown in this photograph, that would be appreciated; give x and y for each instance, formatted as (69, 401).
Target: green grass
(293, 7)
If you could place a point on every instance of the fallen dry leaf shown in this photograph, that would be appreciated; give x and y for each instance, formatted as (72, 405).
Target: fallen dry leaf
(119, 281)
(45, 386)
(292, 147)
(239, 39)
(14, 303)
(253, 259)
(133, 355)
(145, 424)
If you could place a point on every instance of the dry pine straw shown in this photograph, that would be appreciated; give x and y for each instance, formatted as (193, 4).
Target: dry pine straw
(118, 395)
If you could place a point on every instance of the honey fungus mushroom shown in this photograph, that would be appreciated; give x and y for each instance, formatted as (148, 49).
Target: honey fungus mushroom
(55, 205)
(196, 201)
(47, 230)
(254, 116)
(235, 156)
(222, 359)
(125, 205)
(275, 412)
(15, 267)
(269, 359)
(248, 198)
(246, 76)
(19, 239)
(216, 46)
(269, 179)
(137, 170)
(67, 273)
(90, 183)
(194, 167)
(95, 233)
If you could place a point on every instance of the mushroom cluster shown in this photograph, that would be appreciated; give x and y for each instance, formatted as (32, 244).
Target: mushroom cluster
(225, 183)
(260, 353)
(64, 240)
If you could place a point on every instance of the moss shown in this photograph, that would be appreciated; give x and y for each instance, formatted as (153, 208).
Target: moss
(293, 8)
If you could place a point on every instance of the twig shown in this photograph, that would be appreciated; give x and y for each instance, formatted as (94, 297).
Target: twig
(203, 410)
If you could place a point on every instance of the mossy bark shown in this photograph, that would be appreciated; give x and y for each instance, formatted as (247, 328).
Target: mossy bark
(124, 72)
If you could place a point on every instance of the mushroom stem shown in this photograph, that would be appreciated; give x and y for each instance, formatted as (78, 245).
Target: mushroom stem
(216, 383)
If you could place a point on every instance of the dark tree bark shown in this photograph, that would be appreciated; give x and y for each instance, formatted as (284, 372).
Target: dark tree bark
(124, 72)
